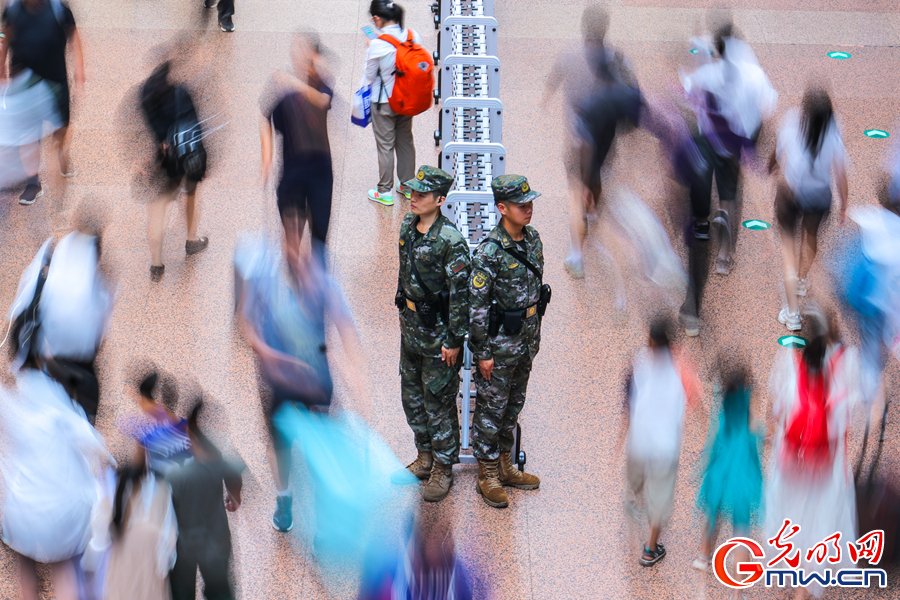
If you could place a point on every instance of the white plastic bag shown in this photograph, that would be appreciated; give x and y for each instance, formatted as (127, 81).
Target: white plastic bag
(361, 113)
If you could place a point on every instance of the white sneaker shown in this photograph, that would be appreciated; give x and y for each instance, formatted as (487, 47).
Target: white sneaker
(789, 320)
(384, 198)
(575, 267)
(691, 325)
(802, 286)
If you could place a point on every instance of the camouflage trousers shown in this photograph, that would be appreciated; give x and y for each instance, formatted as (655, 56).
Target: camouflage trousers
(498, 403)
(428, 388)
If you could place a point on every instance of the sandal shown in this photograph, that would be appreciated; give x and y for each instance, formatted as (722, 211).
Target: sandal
(702, 563)
(651, 557)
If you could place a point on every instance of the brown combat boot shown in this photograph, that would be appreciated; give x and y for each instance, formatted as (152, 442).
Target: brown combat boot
(488, 484)
(420, 468)
(439, 483)
(513, 477)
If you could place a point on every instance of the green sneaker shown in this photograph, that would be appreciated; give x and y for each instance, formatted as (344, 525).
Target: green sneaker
(385, 198)
(405, 191)
(283, 520)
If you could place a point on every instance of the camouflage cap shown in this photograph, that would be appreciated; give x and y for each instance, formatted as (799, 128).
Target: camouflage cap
(430, 179)
(512, 188)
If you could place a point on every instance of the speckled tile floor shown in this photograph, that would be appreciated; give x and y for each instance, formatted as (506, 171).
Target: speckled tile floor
(573, 538)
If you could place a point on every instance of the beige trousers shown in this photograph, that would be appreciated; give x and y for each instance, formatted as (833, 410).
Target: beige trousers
(393, 133)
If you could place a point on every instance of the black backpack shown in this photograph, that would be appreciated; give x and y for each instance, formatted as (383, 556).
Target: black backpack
(185, 140)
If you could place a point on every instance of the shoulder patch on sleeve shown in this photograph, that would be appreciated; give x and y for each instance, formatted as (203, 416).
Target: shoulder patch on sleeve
(479, 280)
(458, 266)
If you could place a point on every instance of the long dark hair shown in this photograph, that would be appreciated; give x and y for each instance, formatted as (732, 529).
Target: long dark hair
(817, 117)
(132, 475)
(387, 10)
(814, 352)
(725, 31)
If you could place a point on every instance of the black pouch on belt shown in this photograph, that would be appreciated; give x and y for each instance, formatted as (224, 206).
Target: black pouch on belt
(400, 297)
(512, 321)
(428, 312)
(546, 294)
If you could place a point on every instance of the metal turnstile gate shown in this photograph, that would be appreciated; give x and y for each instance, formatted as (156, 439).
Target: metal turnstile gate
(470, 136)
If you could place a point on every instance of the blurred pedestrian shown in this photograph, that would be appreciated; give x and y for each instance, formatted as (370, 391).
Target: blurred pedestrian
(49, 462)
(226, 11)
(393, 131)
(600, 92)
(427, 567)
(284, 322)
(36, 34)
(204, 539)
(507, 302)
(171, 114)
(432, 296)
(74, 311)
(656, 401)
(732, 480)
(809, 152)
(873, 288)
(139, 529)
(730, 96)
(810, 483)
(29, 112)
(300, 114)
(161, 432)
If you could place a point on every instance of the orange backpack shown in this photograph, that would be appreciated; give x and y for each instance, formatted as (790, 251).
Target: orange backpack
(413, 77)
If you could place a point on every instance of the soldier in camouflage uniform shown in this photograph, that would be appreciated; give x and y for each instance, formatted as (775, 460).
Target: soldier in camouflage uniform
(433, 298)
(505, 289)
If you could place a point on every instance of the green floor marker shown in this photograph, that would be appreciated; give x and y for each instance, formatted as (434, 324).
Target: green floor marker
(839, 55)
(756, 224)
(792, 341)
(876, 133)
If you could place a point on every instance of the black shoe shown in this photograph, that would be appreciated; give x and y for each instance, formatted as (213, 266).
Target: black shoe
(701, 231)
(192, 247)
(32, 192)
(226, 25)
(156, 273)
(210, 3)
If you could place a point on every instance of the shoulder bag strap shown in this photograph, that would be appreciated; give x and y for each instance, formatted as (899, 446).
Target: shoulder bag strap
(415, 270)
(516, 254)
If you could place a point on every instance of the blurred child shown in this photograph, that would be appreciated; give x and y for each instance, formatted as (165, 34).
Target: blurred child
(657, 400)
(139, 529)
(732, 481)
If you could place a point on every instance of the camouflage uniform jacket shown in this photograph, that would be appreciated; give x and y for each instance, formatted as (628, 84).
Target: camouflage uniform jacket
(498, 276)
(442, 258)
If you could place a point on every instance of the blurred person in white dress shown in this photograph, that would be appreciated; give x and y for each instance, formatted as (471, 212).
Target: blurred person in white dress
(810, 482)
(50, 458)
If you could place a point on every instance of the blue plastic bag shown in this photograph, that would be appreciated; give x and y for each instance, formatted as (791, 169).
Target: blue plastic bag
(361, 113)
(350, 470)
